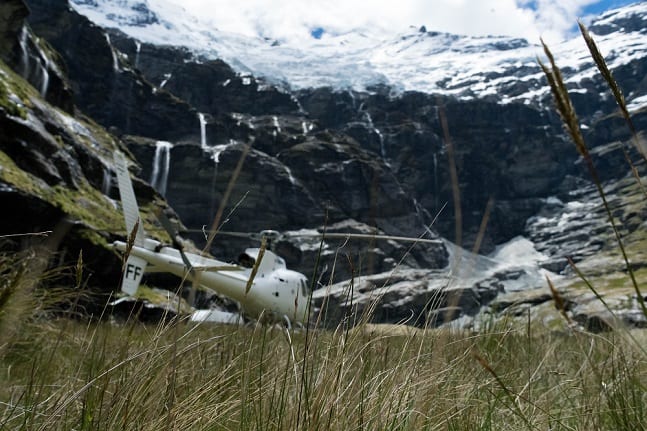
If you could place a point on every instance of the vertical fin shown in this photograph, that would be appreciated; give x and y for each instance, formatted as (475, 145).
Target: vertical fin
(133, 273)
(135, 266)
(128, 200)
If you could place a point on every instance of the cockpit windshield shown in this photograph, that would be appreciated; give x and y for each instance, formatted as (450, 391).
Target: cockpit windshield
(304, 287)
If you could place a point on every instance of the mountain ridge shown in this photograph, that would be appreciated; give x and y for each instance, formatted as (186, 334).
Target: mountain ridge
(428, 61)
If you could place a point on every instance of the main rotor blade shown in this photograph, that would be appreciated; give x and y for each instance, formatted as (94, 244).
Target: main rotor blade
(329, 235)
(367, 236)
(252, 235)
(218, 268)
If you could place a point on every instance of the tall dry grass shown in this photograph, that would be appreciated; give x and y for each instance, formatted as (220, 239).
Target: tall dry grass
(105, 377)
(567, 113)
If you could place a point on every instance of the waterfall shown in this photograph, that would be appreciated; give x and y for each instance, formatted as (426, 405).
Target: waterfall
(44, 83)
(435, 181)
(38, 76)
(138, 49)
(161, 164)
(106, 183)
(24, 57)
(277, 126)
(381, 138)
(307, 127)
(115, 61)
(203, 130)
(218, 149)
(352, 98)
(167, 76)
(298, 103)
(215, 150)
(293, 180)
(369, 121)
(275, 121)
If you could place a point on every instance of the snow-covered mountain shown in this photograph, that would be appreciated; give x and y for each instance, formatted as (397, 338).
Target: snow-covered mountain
(427, 61)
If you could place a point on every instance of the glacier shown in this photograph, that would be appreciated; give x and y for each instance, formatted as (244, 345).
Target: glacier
(467, 67)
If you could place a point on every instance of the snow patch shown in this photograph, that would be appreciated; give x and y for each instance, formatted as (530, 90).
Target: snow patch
(465, 66)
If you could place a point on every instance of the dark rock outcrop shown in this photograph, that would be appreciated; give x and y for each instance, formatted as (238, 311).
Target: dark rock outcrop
(414, 297)
(208, 85)
(513, 154)
(32, 57)
(55, 163)
(45, 187)
(105, 86)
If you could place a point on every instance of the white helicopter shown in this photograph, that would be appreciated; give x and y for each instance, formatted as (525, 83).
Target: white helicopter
(263, 286)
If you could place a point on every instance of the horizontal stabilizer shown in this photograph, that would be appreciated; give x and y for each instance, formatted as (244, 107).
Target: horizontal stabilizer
(216, 316)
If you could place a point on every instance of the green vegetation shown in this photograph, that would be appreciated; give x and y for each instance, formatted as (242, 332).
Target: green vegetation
(86, 204)
(11, 107)
(11, 83)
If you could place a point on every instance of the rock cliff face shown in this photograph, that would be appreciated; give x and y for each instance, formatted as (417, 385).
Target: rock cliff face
(371, 161)
(297, 174)
(511, 154)
(105, 86)
(32, 57)
(55, 163)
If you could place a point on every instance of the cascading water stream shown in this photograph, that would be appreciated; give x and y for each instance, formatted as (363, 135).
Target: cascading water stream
(106, 183)
(44, 83)
(214, 153)
(161, 164)
(307, 127)
(24, 56)
(369, 121)
(293, 180)
(115, 61)
(167, 76)
(203, 131)
(38, 76)
(277, 126)
(215, 156)
(352, 98)
(138, 46)
(435, 181)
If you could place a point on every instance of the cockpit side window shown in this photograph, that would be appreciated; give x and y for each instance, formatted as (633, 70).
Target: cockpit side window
(304, 288)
